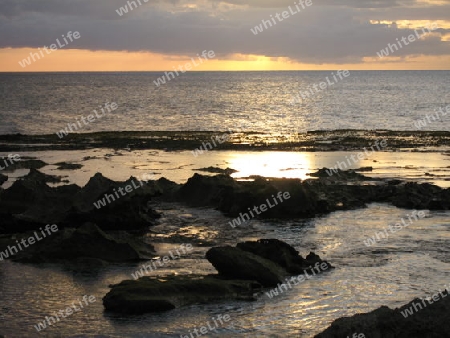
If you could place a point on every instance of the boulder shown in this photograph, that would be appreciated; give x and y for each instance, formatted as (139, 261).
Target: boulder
(282, 254)
(202, 190)
(267, 261)
(234, 263)
(430, 321)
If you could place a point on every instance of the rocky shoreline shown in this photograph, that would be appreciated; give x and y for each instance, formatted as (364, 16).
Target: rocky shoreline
(109, 235)
(427, 321)
(320, 140)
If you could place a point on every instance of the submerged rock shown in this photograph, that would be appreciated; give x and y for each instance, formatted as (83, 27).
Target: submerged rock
(429, 321)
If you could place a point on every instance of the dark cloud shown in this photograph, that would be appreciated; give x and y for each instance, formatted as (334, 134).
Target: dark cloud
(322, 33)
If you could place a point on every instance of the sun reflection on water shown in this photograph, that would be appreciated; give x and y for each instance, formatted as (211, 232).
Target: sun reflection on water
(271, 164)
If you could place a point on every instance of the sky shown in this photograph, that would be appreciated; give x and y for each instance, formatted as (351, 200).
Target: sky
(157, 35)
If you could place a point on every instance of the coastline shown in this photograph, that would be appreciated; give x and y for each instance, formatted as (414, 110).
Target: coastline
(320, 140)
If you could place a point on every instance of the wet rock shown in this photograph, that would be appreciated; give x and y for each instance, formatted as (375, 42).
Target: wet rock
(341, 174)
(421, 196)
(86, 242)
(431, 321)
(282, 254)
(309, 198)
(68, 166)
(242, 274)
(267, 261)
(202, 190)
(234, 263)
(232, 197)
(216, 170)
(30, 203)
(23, 194)
(149, 294)
(363, 169)
(26, 164)
(36, 175)
(3, 179)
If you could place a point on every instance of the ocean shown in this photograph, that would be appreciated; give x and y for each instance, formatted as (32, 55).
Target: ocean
(411, 263)
(44, 103)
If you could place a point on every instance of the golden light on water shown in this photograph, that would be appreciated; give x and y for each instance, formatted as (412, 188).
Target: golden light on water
(271, 164)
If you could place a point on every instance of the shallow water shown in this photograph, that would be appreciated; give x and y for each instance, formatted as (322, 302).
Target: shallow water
(179, 166)
(413, 262)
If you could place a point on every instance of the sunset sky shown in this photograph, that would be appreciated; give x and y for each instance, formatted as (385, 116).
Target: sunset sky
(160, 35)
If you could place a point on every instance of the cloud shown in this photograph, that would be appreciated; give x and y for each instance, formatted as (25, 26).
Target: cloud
(322, 33)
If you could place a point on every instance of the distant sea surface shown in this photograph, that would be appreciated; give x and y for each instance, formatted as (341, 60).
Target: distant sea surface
(44, 103)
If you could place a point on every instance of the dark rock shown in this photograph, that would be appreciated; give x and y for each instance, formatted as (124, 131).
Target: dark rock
(234, 263)
(161, 294)
(241, 275)
(26, 164)
(282, 254)
(421, 196)
(363, 169)
(36, 175)
(267, 261)
(205, 190)
(431, 321)
(340, 174)
(68, 166)
(215, 170)
(87, 242)
(30, 203)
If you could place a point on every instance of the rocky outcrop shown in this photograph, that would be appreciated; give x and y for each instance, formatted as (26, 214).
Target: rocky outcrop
(155, 294)
(310, 197)
(421, 196)
(30, 203)
(266, 261)
(282, 254)
(429, 321)
(234, 263)
(86, 242)
(242, 274)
